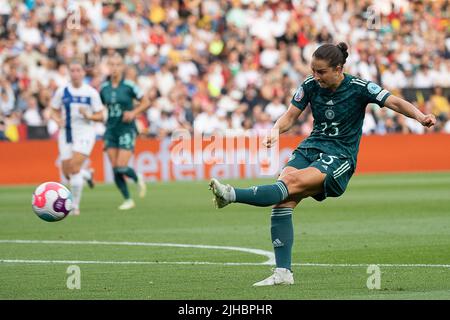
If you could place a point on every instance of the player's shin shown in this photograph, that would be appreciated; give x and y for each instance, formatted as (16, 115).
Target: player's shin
(121, 184)
(129, 172)
(262, 196)
(76, 187)
(282, 232)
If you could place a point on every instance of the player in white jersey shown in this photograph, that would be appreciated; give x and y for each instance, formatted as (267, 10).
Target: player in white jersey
(75, 107)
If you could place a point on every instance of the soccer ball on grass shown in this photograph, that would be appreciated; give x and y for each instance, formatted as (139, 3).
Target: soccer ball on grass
(51, 201)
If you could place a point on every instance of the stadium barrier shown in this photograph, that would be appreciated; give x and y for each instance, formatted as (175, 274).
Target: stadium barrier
(33, 162)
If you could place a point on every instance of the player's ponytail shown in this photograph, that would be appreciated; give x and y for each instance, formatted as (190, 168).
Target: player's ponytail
(343, 47)
(335, 55)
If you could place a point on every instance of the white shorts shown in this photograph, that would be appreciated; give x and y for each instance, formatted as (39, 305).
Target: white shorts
(82, 142)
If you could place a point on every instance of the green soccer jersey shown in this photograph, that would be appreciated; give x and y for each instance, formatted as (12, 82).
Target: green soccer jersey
(118, 100)
(339, 115)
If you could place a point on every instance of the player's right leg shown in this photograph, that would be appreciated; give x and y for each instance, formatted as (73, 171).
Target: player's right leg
(300, 182)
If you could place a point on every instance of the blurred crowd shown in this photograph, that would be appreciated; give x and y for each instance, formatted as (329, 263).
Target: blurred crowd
(220, 66)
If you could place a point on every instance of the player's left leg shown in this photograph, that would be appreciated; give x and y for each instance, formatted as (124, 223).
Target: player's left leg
(282, 234)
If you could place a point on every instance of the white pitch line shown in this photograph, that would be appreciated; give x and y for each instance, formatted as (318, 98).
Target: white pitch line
(329, 265)
(358, 265)
(269, 255)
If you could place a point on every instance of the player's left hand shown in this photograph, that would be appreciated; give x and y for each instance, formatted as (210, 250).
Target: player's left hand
(428, 120)
(128, 116)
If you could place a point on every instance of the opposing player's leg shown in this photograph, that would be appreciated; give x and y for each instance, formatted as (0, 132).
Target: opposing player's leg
(65, 167)
(88, 176)
(76, 179)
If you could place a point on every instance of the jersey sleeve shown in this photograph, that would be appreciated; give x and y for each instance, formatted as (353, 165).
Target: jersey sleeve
(56, 101)
(102, 92)
(301, 96)
(96, 101)
(136, 92)
(373, 93)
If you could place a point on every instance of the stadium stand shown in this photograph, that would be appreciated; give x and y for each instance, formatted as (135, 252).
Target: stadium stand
(218, 65)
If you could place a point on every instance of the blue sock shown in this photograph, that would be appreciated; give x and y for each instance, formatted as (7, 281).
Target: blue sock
(282, 232)
(262, 196)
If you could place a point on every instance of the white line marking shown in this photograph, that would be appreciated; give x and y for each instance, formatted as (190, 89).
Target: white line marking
(269, 255)
(328, 265)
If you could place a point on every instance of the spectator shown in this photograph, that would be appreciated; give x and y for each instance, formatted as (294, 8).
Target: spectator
(231, 56)
(393, 78)
(32, 116)
(275, 109)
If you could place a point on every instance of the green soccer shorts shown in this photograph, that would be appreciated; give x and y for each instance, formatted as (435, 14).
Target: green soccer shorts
(338, 169)
(120, 140)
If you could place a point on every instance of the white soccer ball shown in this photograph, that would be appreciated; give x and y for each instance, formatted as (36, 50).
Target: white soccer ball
(51, 201)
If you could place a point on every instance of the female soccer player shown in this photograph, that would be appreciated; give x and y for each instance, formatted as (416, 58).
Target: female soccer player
(74, 108)
(322, 164)
(118, 95)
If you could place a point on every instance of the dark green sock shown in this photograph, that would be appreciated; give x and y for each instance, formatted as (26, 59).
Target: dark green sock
(262, 196)
(119, 179)
(282, 232)
(129, 172)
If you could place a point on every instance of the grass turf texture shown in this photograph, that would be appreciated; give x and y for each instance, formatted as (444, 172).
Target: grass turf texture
(385, 219)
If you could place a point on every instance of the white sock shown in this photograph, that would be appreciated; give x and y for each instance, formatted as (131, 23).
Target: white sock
(86, 174)
(76, 187)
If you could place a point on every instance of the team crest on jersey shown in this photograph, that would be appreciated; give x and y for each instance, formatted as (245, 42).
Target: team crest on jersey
(329, 114)
(373, 88)
(299, 94)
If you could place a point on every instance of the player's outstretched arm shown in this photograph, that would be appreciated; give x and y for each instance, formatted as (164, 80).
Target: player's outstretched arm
(283, 124)
(408, 109)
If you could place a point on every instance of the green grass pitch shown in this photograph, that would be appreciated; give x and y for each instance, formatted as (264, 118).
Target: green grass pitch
(400, 222)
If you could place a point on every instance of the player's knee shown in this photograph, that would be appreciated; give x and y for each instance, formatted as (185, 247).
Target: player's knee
(295, 184)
